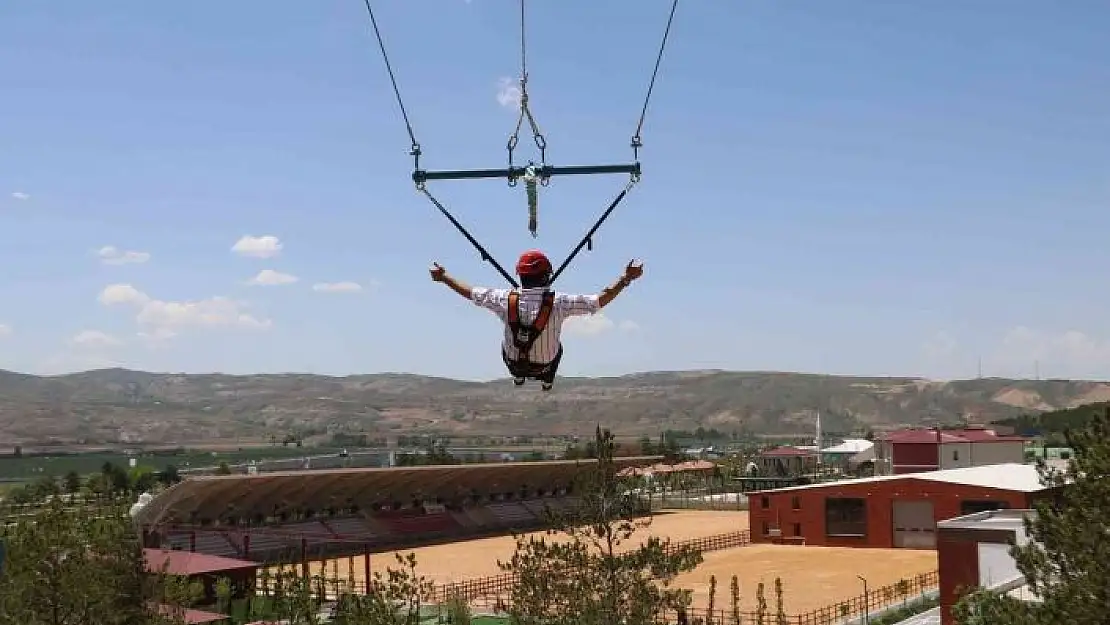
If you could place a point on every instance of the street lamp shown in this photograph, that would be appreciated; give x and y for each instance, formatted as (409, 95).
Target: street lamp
(866, 600)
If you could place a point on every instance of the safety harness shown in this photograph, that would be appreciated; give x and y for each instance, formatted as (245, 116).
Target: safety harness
(525, 335)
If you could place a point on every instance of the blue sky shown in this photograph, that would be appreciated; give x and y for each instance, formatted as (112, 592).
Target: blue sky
(851, 187)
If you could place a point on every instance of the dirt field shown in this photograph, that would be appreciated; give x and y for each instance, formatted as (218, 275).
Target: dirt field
(478, 558)
(812, 577)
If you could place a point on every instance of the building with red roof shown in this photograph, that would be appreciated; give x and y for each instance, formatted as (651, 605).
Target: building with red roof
(914, 451)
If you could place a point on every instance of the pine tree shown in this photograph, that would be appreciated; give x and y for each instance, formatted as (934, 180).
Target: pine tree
(1067, 561)
(592, 573)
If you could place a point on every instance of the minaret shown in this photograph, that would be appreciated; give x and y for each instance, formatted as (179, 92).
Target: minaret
(817, 440)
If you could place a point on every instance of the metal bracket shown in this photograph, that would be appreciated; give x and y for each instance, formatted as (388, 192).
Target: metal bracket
(420, 176)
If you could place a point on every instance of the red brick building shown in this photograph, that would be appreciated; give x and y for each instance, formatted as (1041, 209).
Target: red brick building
(891, 511)
(974, 552)
(914, 451)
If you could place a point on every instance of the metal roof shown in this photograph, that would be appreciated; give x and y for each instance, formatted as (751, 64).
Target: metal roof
(1010, 476)
(849, 446)
(786, 452)
(243, 496)
(191, 563)
(968, 435)
(1013, 520)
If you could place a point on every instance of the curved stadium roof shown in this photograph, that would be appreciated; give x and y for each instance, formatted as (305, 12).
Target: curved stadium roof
(213, 497)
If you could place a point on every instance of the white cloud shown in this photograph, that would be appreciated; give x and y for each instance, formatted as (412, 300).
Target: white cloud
(940, 346)
(628, 326)
(95, 338)
(122, 294)
(269, 277)
(337, 287)
(111, 255)
(266, 246)
(588, 325)
(19, 195)
(163, 319)
(508, 92)
(5, 330)
(1069, 353)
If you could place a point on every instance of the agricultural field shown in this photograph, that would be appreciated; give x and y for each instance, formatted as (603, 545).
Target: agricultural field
(26, 468)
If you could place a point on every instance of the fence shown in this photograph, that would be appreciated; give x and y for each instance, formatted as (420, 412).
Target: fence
(500, 584)
(331, 586)
(875, 599)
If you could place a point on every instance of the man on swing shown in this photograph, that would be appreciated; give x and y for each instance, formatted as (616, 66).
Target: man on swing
(534, 314)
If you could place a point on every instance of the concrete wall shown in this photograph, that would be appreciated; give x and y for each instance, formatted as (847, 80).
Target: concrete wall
(955, 455)
(998, 453)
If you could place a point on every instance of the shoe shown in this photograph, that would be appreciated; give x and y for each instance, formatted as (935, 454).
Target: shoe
(547, 386)
(519, 381)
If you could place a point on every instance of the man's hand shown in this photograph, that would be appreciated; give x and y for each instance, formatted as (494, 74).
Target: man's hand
(633, 270)
(439, 274)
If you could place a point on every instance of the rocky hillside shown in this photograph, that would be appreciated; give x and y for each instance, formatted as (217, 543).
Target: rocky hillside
(117, 405)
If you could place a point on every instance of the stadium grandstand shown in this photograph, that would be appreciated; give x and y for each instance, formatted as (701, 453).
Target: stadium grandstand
(298, 516)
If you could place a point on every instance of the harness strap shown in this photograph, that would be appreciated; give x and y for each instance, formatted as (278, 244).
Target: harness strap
(525, 335)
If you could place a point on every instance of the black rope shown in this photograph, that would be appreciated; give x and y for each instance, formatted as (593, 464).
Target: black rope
(588, 239)
(393, 79)
(636, 142)
(478, 246)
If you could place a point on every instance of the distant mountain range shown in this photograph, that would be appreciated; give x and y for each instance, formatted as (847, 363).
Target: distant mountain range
(117, 405)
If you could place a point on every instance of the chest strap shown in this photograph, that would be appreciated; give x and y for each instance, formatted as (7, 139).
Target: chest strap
(525, 335)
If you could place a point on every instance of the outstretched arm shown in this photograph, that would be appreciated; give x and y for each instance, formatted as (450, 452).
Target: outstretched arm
(631, 272)
(439, 274)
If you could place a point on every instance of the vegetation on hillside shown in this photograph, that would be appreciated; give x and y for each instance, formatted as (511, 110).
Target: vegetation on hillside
(114, 406)
(1067, 563)
(1053, 425)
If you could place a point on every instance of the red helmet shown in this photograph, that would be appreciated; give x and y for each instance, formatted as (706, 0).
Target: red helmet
(533, 263)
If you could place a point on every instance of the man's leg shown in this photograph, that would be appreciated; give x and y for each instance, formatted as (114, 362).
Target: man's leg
(517, 379)
(548, 377)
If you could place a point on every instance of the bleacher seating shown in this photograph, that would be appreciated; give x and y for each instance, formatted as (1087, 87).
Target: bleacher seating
(512, 514)
(312, 531)
(209, 542)
(437, 524)
(263, 543)
(351, 526)
(381, 528)
(481, 517)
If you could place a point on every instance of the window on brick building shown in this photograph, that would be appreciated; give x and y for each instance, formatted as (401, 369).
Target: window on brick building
(973, 507)
(796, 502)
(845, 516)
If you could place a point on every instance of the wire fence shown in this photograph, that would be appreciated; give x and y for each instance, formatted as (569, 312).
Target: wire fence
(332, 586)
(901, 591)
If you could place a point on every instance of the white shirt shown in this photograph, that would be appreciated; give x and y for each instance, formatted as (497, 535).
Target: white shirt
(546, 346)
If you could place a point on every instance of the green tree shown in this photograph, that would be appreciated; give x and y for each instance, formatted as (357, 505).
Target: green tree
(223, 469)
(71, 482)
(1067, 561)
(591, 574)
(394, 598)
(169, 476)
(69, 565)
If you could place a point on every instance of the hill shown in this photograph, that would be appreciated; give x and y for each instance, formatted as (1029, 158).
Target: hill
(117, 405)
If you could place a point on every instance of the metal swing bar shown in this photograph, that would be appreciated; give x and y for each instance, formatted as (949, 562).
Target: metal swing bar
(545, 171)
(512, 173)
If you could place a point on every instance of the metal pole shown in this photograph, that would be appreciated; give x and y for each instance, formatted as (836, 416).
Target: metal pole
(866, 600)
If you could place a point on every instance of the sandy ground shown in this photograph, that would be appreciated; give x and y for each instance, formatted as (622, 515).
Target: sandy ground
(812, 577)
(478, 558)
